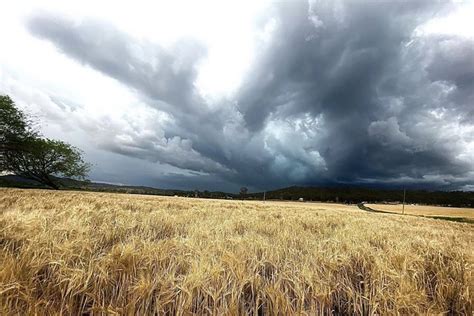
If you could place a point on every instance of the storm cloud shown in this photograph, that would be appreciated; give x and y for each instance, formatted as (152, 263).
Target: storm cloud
(338, 92)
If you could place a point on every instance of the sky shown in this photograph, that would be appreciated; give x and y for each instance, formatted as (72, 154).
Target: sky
(264, 94)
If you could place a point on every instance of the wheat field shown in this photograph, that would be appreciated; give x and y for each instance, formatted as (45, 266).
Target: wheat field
(425, 210)
(96, 253)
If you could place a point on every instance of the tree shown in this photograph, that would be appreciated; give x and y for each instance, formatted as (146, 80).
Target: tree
(27, 155)
(41, 159)
(243, 192)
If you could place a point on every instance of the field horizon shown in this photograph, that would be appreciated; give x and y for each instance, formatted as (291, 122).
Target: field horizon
(425, 210)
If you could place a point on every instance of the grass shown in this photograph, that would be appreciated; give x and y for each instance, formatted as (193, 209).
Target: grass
(77, 252)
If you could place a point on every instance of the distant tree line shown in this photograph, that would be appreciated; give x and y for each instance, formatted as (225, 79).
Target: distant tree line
(355, 195)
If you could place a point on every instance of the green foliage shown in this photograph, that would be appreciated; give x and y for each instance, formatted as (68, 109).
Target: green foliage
(14, 128)
(26, 154)
(13, 122)
(39, 159)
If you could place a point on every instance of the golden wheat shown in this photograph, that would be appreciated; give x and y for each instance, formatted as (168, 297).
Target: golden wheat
(72, 253)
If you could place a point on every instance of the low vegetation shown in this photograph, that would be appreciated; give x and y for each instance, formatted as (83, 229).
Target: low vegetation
(78, 252)
(425, 210)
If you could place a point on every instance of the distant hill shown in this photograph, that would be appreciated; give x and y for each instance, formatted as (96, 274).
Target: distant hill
(344, 194)
(71, 184)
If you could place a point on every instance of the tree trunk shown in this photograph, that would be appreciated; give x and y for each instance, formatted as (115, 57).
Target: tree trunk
(53, 185)
(50, 183)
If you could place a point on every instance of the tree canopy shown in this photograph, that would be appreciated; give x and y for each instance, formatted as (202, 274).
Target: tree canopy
(13, 122)
(25, 153)
(14, 128)
(243, 191)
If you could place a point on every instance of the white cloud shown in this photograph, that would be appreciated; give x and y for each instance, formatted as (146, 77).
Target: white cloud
(459, 22)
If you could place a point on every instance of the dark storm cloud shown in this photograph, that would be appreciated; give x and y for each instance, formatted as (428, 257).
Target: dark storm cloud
(341, 92)
(333, 66)
(348, 67)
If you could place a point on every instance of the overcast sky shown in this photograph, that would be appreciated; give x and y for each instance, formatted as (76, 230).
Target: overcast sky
(216, 95)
